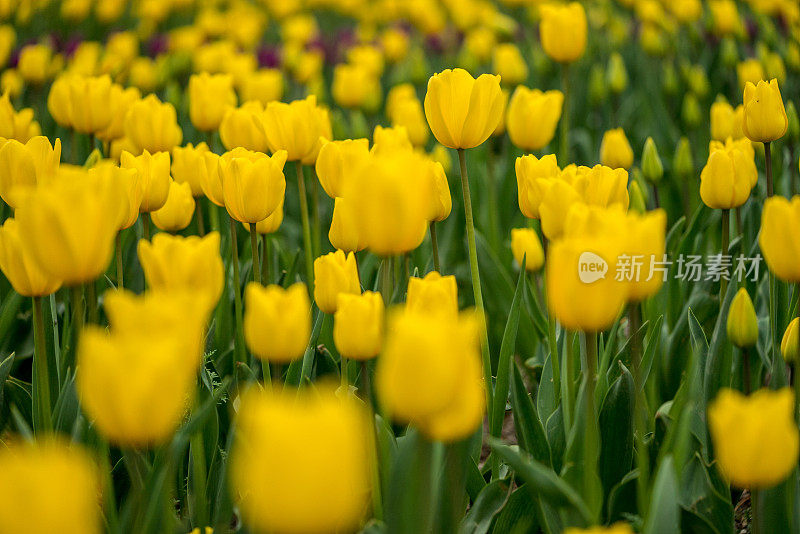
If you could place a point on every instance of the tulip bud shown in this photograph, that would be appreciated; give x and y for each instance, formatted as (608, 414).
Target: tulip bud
(683, 162)
(617, 75)
(615, 150)
(690, 112)
(334, 273)
(638, 203)
(793, 129)
(670, 81)
(778, 236)
(24, 166)
(729, 52)
(355, 87)
(277, 321)
(742, 321)
(336, 160)
(344, 231)
(789, 342)
(17, 125)
(598, 90)
(358, 325)
(652, 168)
(177, 211)
(525, 245)
(508, 62)
(729, 175)
(765, 117)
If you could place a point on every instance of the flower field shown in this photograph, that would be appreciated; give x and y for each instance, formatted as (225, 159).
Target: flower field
(399, 266)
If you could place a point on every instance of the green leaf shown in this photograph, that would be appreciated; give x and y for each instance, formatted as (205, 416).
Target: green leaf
(409, 499)
(664, 514)
(489, 503)
(704, 508)
(528, 426)
(518, 515)
(616, 430)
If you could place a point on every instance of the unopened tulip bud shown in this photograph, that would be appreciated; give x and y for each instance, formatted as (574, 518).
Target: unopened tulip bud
(525, 245)
(597, 85)
(742, 321)
(638, 203)
(617, 74)
(729, 52)
(652, 168)
(793, 130)
(690, 113)
(683, 162)
(789, 342)
(765, 117)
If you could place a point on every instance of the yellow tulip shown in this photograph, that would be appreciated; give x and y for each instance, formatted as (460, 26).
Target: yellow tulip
(210, 179)
(319, 447)
(336, 160)
(728, 177)
(120, 101)
(507, 61)
(615, 150)
(358, 325)
(726, 121)
(409, 114)
(264, 86)
(90, 99)
(601, 186)
(532, 117)
(646, 242)
(153, 172)
(525, 245)
(59, 101)
(750, 70)
(17, 125)
(210, 96)
(778, 239)
(390, 196)
(48, 486)
(20, 268)
(563, 31)
(24, 166)
(177, 211)
(529, 170)
(355, 87)
(441, 201)
(253, 184)
(277, 321)
(188, 165)
(742, 324)
(8, 38)
(296, 128)
(789, 342)
(159, 314)
(334, 273)
(765, 117)
(176, 264)
(271, 224)
(616, 528)
(135, 388)
(152, 125)
(395, 44)
(344, 233)
(429, 373)
(35, 63)
(433, 294)
(726, 18)
(367, 56)
(390, 140)
(463, 111)
(11, 83)
(557, 199)
(755, 438)
(72, 248)
(239, 129)
(130, 184)
(397, 95)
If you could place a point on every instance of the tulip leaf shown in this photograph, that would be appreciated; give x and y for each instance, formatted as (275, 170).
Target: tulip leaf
(546, 400)
(5, 371)
(410, 496)
(621, 501)
(616, 430)
(489, 503)
(67, 407)
(718, 362)
(528, 426)
(518, 515)
(663, 517)
(556, 437)
(300, 369)
(543, 482)
(652, 343)
(701, 502)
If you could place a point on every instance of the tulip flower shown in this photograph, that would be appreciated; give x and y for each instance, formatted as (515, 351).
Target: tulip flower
(557, 199)
(616, 528)
(17, 125)
(253, 184)
(334, 274)
(765, 117)
(355, 87)
(529, 170)
(646, 240)
(24, 166)
(120, 101)
(390, 140)
(429, 374)
(742, 324)
(790, 344)
(130, 182)
(358, 328)
(466, 121)
(319, 452)
(48, 486)
(35, 62)
(117, 391)
(264, 86)
(410, 115)
(188, 165)
(755, 438)
(532, 117)
(155, 179)
(336, 159)
(176, 264)
(525, 245)
(726, 121)
(89, 106)
(19, 265)
(239, 128)
(177, 211)
(296, 128)
(507, 61)
(152, 125)
(344, 233)
(615, 150)
(59, 101)
(780, 222)
(210, 96)
(433, 294)
(563, 31)
(210, 179)
(726, 18)
(728, 177)
(277, 321)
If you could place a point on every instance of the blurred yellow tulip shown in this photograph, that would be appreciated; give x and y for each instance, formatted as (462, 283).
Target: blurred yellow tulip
(335, 273)
(532, 117)
(277, 321)
(177, 211)
(358, 325)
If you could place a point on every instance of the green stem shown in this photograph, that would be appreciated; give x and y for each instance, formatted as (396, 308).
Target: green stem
(386, 280)
(755, 498)
(343, 375)
(265, 260)
(91, 301)
(254, 251)
(238, 345)
(476, 277)
(199, 478)
(377, 500)
(315, 229)
(301, 191)
(565, 86)
(568, 383)
(435, 245)
(77, 321)
(768, 163)
(201, 223)
(120, 266)
(56, 343)
(41, 388)
(146, 225)
(726, 230)
(109, 498)
(746, 375)
(590, 339)
(639, 409)
(266, 376)
(553, 345)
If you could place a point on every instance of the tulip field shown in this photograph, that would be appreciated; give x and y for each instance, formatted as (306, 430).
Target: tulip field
(399, 266)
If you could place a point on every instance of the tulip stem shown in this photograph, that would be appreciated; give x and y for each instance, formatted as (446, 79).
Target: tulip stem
(343, 375)
(146, 225)
(201, 222)
(435, 245)
(476, 278)
(552, 341)
(746, 380)
(265, 260)
(120, 267)
(726, 232)
(199, 477)
(238, 345)
(77, 321)
(755, 527)
(568, 382)
(91, 301)
(301, 191)
(590, 338)
(639, 412)
(386, 280)
(564, 159)
(768, 164)
(254, 250)
(315, 230)
(109, 498)
(41, 388)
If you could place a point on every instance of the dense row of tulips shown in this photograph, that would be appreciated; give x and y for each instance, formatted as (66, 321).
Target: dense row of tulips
(195, 338)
